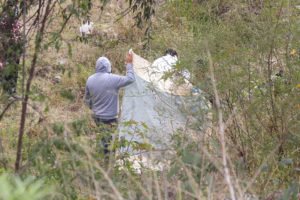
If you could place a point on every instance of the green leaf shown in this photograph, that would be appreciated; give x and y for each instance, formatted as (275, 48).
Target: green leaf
(57, 46)
(69, 74)
(173, 171)
(46, 108)
(58, 128)
(70, 50)
(67, 94)
(46, 46)
(216, 145)
(60, 144)
(192, 158)
(145, 126)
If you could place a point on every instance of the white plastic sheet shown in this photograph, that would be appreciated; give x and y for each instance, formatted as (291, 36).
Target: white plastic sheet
(156, 109)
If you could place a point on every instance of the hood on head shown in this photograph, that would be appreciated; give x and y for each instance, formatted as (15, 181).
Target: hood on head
(103, 65)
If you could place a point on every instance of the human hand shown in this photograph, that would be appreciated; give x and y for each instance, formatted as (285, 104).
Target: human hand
(129, 58)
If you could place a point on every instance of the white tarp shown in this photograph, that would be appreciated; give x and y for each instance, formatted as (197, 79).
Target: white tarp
(154, 106)
(153, 73)
(155, 109)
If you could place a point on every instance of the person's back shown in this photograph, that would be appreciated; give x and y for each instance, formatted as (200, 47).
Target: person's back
(164, 63)
(102, 89)
(165, 66)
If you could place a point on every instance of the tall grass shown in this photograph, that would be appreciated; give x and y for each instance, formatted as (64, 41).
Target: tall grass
(249, 151)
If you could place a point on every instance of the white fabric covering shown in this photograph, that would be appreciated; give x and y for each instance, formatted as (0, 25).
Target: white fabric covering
(154, 73)
(86, 29)
(149, 102)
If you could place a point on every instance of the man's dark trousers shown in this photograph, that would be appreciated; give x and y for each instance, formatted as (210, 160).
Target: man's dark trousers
(106, 127)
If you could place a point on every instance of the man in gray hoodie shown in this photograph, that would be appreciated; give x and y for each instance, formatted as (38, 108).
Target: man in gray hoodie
(102, 95)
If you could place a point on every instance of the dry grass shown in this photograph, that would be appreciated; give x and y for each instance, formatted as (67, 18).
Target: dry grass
(113, 40)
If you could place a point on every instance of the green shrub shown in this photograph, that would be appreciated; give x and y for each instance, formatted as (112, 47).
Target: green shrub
(14, 188)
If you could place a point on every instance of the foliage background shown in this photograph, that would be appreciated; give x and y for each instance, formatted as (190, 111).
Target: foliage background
(247, 41)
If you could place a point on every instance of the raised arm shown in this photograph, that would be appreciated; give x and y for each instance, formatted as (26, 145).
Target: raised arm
(123, 81)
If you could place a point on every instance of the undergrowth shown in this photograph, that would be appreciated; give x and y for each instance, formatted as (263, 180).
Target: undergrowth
(248, 43)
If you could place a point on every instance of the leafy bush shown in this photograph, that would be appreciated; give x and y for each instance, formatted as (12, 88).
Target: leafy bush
(14, 188)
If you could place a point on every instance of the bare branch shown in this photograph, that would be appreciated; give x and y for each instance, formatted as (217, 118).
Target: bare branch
(39, 36)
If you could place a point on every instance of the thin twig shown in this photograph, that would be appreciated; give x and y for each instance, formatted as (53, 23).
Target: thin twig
(6, 108)
(124, 13)
(39, 36)
(4, 161)
(221, 128)
(96, 165)
(261, 167)
(24, 49)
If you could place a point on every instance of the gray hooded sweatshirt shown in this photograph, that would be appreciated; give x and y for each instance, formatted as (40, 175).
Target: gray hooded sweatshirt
(102, 89)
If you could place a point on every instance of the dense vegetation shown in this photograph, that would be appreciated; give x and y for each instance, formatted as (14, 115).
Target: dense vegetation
(233, 49)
